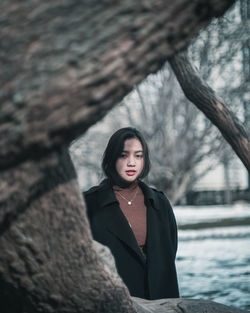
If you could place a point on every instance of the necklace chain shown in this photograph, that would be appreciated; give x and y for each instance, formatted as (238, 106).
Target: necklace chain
(129, 201)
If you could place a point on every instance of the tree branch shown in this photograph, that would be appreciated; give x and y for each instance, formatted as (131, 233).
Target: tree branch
(202, 96)
(59, 79)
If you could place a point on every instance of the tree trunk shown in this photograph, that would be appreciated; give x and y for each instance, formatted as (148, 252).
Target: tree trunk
(198, 92)
(245, 16)
(47, 261)
(227, 188)
(64, 64)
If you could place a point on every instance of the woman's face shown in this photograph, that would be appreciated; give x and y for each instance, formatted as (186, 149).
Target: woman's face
(130, 164)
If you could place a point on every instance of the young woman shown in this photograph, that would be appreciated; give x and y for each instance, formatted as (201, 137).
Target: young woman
(135, 221)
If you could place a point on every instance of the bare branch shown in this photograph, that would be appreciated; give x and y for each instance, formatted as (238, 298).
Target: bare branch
(198, 92)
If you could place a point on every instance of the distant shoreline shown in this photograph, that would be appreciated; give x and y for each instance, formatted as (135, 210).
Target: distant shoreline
(243, 221)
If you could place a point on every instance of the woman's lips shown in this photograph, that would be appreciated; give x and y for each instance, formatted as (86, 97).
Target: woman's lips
(130, 172)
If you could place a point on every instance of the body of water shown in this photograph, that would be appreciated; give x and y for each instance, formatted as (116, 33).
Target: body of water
(213, 259)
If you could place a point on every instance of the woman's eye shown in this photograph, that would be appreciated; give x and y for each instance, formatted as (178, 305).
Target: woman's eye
(123, 156)
(139, 155)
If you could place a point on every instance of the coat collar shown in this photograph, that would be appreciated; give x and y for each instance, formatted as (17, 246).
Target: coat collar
(106, 193)
(150, 194)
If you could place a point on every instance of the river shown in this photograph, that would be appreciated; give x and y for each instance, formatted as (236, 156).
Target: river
(213, 259)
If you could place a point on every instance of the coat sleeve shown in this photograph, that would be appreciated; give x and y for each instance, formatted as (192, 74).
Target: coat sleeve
(89, 198)
(173, 228)
(171, 222)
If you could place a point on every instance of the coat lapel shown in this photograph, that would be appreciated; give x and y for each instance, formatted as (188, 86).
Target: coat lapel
(116, 222)
(153, 220)
(150, 196)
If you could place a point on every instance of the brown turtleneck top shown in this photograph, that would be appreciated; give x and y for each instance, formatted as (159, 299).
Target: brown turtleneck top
(136, 212)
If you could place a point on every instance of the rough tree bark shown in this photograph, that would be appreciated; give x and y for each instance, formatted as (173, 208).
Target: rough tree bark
(47, 263)
(201, 95)
(64, 64)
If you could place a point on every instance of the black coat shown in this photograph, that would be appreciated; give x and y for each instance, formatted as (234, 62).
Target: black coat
(153, 277)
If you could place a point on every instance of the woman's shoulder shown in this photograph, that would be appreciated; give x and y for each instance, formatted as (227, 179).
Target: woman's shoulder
(91, 190)
(94, 189)
(151, 189)
(154, 193)
(93, 196)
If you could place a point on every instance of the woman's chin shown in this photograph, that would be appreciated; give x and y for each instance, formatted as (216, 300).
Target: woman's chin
(129, 179)
(125, 181)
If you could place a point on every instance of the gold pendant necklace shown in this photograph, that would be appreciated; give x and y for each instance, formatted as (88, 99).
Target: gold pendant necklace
(129, 201)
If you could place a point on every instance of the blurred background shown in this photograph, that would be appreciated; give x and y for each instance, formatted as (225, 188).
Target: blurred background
(207, 185)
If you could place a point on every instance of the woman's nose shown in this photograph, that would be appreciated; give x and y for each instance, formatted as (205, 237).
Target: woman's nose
(131, 161)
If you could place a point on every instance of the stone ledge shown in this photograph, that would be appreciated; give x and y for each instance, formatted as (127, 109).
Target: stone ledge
(163, 305)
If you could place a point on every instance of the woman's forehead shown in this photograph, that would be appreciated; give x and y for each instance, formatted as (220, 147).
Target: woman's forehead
(132, 144)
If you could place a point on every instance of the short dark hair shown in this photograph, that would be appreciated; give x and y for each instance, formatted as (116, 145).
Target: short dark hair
(114, 149)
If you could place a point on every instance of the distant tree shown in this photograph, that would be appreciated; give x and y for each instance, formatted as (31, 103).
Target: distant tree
(180, 137)
(197, 91)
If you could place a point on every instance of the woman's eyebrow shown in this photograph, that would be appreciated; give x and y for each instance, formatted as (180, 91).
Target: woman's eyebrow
(137, 151)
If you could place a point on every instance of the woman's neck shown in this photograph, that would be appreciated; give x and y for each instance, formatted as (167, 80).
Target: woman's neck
(132, 186)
